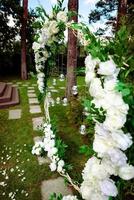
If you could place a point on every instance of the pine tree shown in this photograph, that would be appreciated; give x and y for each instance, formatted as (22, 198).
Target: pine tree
(72, 50)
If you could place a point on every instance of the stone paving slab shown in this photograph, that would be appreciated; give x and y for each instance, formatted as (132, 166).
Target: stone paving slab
(35, 109)
(25, 85)
(34, 84)
(31, 95)
(31, 87)
(54, 185)
(14, 114)
(51, 87)
(54, 90)
(62, 88)
(38, 123)
(31, 91)
(33, 101)
(43, 160)
(37, 139)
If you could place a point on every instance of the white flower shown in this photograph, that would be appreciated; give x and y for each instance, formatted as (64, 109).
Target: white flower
(53, 166)
(100, 129)
(126, 172)
(108, 188)
(91, 63)
(36, 46)
(89, 77)
(62, 16)
(110, 84)
(101, 145)
(117, 157)
(109, 166)
(107, 68)
(122, 140)
(86, 191)
(61, 163)
(69, 197)
(96, 89)
(53, 27)
(114, 122)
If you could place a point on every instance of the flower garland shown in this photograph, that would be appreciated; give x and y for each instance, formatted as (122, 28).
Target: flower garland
(109, 141)
(47, 38)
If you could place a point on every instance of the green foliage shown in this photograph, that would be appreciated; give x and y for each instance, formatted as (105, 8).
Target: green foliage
(85, 149)
(55, 197)
(94, 113)
(61, 146)
(125, 89)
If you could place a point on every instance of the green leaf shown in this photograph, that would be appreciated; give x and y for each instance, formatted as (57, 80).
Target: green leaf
(126, 92)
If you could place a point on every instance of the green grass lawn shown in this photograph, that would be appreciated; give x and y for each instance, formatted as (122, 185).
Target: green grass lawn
(19, 169)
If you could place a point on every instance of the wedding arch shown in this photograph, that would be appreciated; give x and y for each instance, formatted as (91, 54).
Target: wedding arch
(101, 76)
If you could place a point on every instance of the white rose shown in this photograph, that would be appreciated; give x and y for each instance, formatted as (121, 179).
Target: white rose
(126, 172)
(45, 54)
(89, 77)
(90, 63)
(62, 16)
(39, 68)
(114, 122)
(102, 144)
(36, 46)
(110, 167)
(107, 68)
(53, 27)
(110, 84)
(124, 141)
(86, 191)
(53, 166)
(61, 163)
(98, 196)
(108, 188)
(54, 150)
(100, 129)
(96, 89)
(59, 168)
(69, 197)
(117, 157)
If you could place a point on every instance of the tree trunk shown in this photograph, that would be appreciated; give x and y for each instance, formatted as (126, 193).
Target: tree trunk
(122, 11)
(72, 51)
(23, 40)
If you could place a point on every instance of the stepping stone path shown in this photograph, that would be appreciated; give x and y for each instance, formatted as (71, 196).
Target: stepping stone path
(54, 90)
(14, 114)
(29, 88)
(37, 123)
(33, 101)
(54, 185)
(31, 91)
(35, 109)
(31, 95)
(62, 88)
(41, 160)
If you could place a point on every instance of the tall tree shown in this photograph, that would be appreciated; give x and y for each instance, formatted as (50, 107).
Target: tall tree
(122, 11)
(23, 40)
(72, 50)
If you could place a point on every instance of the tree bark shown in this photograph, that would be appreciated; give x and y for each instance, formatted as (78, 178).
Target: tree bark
(122, 11)
(72, 51)
(23, 40)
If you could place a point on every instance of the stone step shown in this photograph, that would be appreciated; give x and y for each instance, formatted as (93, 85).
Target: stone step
(2, 88)
(7, 94)
(14, 100)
